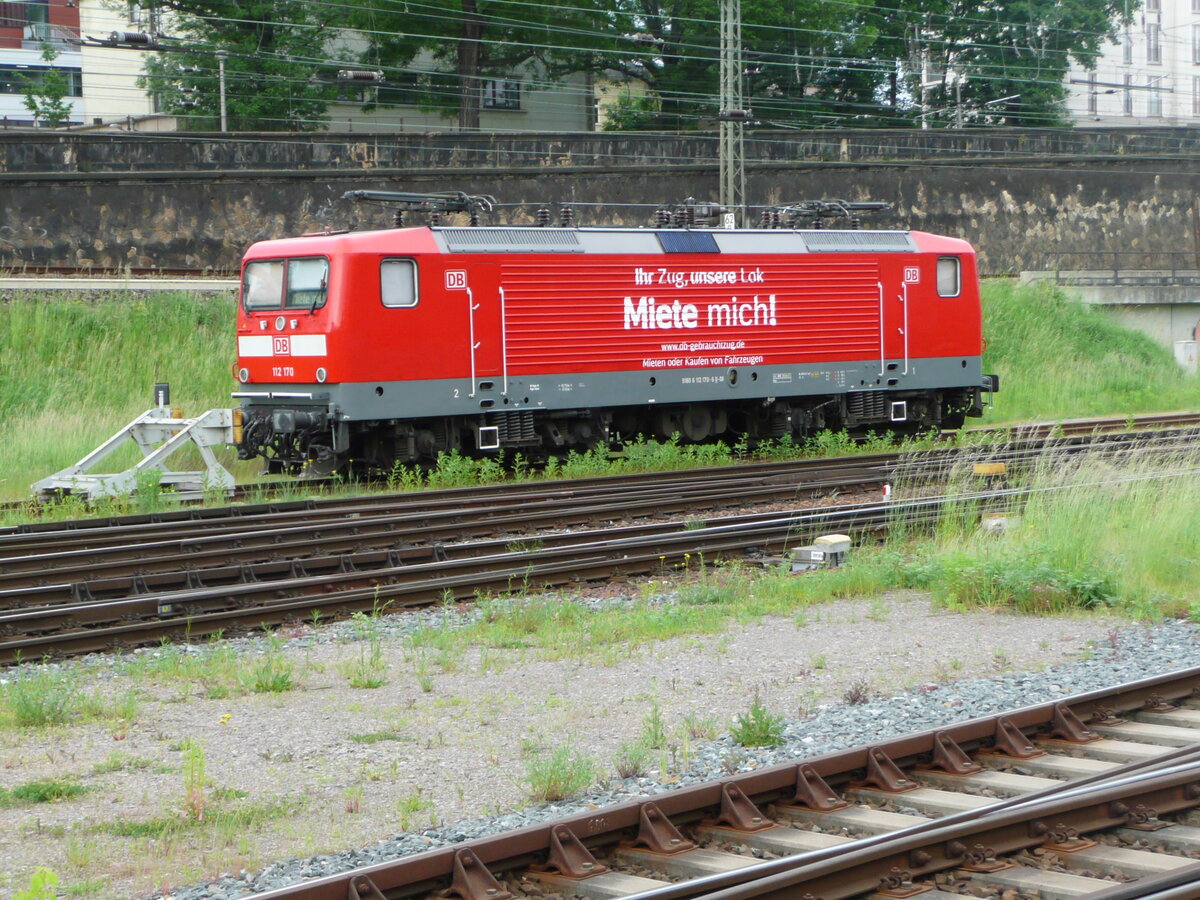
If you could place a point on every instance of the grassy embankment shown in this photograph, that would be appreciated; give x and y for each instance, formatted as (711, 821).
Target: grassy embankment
(73, 372)
(1060, 359)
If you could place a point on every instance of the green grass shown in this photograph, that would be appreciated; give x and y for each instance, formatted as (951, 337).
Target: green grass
(562, 773)
(1058, 358)
(73, 372)
(376, 737)
(221, 819)
(45, 790)
(43, 698)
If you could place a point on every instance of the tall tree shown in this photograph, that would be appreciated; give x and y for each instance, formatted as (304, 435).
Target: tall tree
(277, 73)
(789, 50)
(1003, 63)
(45, 93)
(481, 40)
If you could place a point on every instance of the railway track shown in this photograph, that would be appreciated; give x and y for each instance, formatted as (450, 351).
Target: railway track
(1029, 433)
(116, 586)
(1093, 796)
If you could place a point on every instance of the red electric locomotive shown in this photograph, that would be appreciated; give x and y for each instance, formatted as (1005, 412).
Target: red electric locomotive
(373, 347)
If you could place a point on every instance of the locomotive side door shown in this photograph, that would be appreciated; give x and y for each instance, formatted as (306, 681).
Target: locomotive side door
(485, 329)
(897, 289)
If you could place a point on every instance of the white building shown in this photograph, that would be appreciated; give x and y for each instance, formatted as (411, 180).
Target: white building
(110, 91)
(25, 29)
(1152, 77)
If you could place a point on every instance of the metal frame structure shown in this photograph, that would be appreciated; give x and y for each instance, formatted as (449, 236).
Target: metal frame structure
(158, 433)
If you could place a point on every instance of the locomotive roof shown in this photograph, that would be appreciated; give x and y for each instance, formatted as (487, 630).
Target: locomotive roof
(639, 241)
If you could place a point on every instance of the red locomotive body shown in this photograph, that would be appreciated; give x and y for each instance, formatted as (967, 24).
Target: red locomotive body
(387, 346)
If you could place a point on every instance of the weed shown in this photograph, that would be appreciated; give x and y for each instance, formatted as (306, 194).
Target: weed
(858, 693)
(376, 737)
(148, 494)
(631, 759)
(46, 790)
(353, 797)
(366, 669)
(732, 760)
(194, 780)
(86, 887)
(819, 661)
(273, 672)
(41, 699)
(654, 728)
(42, 886)
(222, 821)
(757, 726)
(700, 727)
(408, 806)
(79, 850)
(560, 775)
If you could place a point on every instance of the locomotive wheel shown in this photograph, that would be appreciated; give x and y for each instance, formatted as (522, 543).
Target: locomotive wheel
(697, 423)
(323, 463)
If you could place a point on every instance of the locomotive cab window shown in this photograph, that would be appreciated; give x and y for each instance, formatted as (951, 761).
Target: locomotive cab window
(398, 283)
(949, 276)
(262, 285)
(307, 283)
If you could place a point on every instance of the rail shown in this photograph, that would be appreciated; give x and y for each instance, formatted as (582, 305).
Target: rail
(1013, 758)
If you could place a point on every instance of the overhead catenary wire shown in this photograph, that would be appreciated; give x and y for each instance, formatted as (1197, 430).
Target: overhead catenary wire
(785, 60)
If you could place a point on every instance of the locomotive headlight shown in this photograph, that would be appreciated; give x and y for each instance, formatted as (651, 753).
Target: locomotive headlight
(322, 374)
(280, 321)
(243, 375)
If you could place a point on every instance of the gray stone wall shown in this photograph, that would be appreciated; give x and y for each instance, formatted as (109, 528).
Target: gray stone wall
(1019, 214)
(36, 151)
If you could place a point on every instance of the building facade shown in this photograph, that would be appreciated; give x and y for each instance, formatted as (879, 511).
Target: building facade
(1151, 77)
(26, 30)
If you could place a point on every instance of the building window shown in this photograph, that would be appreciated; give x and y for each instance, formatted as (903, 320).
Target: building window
(1196, 95)
(1127, 45)
(1153, 5)
(498, 94)
(1127, 97)
(1196, 6)
(1154, 104)
(1154, 44)
(408, 89)
(18, 15)
(1196, 44)
(17, 79)
(1093, 98)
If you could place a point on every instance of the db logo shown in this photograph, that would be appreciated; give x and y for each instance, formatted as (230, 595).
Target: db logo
(912, 275)
(456, 279)
(281, 346)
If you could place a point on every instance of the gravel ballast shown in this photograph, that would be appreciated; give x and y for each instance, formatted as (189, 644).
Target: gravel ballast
(458, 729)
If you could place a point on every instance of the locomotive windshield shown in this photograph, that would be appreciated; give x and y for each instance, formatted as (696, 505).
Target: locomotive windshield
(288, 284)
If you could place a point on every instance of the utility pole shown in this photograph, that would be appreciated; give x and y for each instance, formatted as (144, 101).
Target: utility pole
(958, 110)
(733, 114)
(221, 55)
